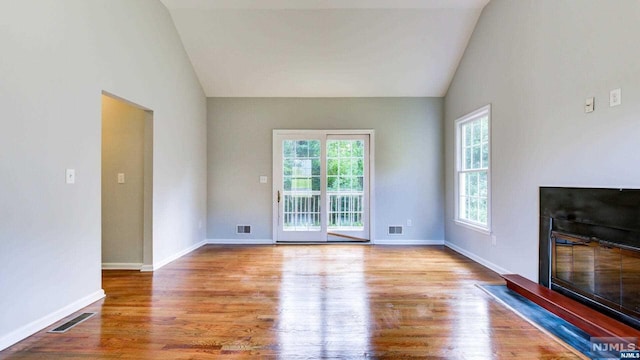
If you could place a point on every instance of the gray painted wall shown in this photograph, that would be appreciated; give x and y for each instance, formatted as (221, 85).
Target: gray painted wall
(122, 204)
(536, 61)
(57, 58)
(408, 158)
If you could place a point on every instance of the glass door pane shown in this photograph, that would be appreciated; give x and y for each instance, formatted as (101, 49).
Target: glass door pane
(345, 184)
(301, 185)
(298, 186)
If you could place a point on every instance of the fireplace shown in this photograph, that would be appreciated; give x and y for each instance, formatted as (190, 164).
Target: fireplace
(590, 248)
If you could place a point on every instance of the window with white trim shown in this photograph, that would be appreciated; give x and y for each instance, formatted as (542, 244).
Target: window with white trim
(473, 187)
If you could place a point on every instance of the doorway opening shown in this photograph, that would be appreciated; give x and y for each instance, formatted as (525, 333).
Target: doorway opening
(127, 185)
(322, 184)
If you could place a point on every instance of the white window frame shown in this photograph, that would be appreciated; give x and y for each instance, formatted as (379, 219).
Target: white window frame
(486, 229)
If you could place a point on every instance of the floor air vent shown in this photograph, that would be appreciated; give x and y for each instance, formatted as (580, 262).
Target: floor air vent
(71, 323)
(395, 230)
(243, 229)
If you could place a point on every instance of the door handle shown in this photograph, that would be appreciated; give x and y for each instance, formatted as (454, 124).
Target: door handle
(278, 196)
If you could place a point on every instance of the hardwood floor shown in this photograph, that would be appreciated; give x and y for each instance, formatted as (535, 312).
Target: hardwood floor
(300, 302)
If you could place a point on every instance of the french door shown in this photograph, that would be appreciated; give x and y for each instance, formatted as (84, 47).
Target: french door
(321, 183)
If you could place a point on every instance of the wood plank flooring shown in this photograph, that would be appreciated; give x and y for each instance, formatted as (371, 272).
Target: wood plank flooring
(300, 302)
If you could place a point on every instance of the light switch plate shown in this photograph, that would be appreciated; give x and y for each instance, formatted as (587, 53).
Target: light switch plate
(70, 175)
(120, 178)
(589, 104)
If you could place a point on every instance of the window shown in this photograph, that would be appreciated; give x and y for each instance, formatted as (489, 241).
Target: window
(473, 143)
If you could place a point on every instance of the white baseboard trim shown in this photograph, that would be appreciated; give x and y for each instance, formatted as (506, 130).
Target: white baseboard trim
(407, 242)
(240, 241)
(146, 268)
(176, 256)
(121, 266)
(476, 258)
(375, 242)
(47, 320)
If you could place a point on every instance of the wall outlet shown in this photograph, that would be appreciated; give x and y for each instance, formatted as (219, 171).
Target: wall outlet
(494, 240)
(263, 179)
(409, 222)
(615, 97)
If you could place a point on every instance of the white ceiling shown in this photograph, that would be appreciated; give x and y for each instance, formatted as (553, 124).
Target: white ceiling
(325, 48)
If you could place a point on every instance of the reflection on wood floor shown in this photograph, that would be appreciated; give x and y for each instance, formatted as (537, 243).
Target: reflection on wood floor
(292, 302)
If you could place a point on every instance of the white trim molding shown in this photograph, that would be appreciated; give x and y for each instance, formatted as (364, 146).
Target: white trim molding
(176, 256)
(407, 242)
(121, 266)
(47, 320)
(476, 258)
(467, 225)
(374, 242)
(240, 241)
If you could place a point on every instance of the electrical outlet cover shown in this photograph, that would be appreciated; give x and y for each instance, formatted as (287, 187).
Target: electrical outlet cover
(615, 97)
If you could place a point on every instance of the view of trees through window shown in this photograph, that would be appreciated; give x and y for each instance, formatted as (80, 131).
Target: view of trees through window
(345, 183)
(302, 184)
(473, 191)
(301, 177)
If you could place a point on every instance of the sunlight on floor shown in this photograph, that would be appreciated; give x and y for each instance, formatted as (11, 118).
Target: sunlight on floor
(324, 306)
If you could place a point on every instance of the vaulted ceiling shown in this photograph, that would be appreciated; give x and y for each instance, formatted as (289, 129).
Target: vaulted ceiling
(325, 48)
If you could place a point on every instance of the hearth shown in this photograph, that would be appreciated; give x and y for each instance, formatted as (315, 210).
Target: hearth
(590, 248)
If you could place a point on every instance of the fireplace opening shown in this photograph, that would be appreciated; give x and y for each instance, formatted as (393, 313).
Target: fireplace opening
(590, 248)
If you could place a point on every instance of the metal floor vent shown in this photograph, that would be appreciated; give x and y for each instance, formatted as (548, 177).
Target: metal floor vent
(395, 230)
(71, 323)
(243, 229)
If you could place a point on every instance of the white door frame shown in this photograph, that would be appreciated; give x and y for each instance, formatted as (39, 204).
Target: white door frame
(324, 133)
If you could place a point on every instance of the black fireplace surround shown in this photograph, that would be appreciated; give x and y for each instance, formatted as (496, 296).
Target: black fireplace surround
(590, 248)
